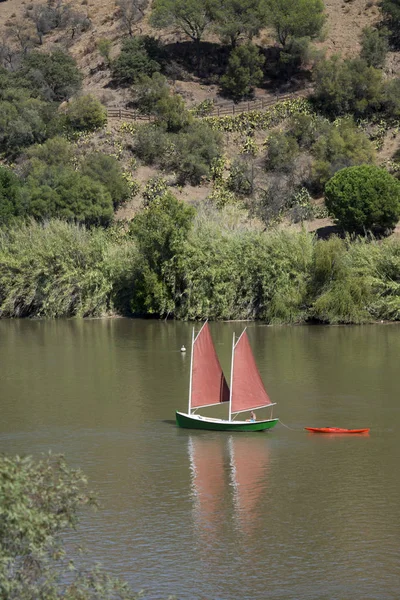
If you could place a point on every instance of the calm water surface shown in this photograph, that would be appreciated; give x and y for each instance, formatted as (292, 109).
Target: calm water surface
(203, 515)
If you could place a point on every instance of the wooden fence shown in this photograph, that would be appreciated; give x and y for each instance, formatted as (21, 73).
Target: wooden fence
(219, 110)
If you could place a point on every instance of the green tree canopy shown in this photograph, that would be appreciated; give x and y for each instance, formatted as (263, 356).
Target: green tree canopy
(85, 113)
(295, 18)
(244, 71)
(193, 17)
(160, 231)
(391, 13)
(10, 196)
(107, 170)
(61, 192)
(342, 145)
(364, 198)
(347, 86)
(235, 19)
(374, 46)
(54, 76)
(138, 57)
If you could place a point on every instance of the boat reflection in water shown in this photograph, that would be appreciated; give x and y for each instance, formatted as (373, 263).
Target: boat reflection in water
(229, 478)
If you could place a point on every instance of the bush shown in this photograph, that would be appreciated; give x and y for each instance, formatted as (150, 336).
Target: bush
(364, 198)
(282, 149)
(374, 46)
(172, 114)
(107, 171)
(86, 113)
(10, 196)
(53, 76)
(348, 86)
(139, 56)
(151, 144)
(392, 97)
(244, 71)
(343, 145)
(61, 192)
(148, 91)
(55, 151)
(23, 121)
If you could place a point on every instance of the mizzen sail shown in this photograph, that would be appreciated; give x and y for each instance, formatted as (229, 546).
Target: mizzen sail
(208, 385)
(248, 391)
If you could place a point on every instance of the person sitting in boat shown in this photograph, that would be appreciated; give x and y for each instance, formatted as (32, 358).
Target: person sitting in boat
(252, 416)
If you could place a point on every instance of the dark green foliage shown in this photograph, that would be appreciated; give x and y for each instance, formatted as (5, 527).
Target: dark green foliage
(342, 145)
(54, 76)
(41, 500)
(139, 56)
(10, 196)
(364, 198)
(172, 114)
(235, 19)
(55, 151)
(374, 46)
(244, 71)
(391, 13)
(392, 97)
(60, 192)
(160, 231)
(107, 170)
(23, 121)
(85, 113)
(196, 149)
(58, 269)
(192, 16)
(348, 86)
(148, 91)
(295, 18)
(189, 153)
(282, 149)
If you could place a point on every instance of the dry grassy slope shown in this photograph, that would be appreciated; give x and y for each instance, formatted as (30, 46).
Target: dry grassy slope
(345, 20)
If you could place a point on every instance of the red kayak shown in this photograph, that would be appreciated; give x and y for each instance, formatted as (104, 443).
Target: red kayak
(335, 430)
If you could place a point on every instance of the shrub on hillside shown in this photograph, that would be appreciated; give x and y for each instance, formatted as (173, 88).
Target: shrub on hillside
(282, 149)
(10, 196)
(364, 198)
(348, 86)
(85, 113)
(244, 71)
(374, 46)
(107, 171)
(139, 56)
(53, 76)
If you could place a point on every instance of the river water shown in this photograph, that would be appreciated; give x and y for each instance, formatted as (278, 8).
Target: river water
(283, 514)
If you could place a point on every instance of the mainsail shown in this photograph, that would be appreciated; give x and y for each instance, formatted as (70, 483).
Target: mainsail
(208, 384)
(247, 389)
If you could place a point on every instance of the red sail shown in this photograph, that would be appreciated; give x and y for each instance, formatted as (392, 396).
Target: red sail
(208, 382)
(248, 390)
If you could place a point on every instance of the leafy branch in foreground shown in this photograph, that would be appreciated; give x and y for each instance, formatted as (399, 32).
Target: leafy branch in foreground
(39, 500)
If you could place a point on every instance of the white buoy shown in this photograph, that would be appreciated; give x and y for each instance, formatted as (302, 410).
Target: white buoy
(183, 349)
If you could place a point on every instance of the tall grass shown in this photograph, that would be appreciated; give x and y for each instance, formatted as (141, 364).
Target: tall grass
(61, 270)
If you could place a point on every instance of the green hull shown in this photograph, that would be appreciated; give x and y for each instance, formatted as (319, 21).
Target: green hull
(198, 422)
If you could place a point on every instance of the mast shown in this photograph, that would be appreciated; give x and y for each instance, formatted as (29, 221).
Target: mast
(230, 386)
(191, 374)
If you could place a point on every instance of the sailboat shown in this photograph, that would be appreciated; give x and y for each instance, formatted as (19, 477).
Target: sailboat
(208, 386)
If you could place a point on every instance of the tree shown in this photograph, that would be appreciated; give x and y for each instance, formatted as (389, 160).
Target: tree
(195, 151)
(54, 76)
(85, 113)
(23, 121)
(282, 149)
(374, 46)
(295, 18)
(194, 17)
(172, 114)
(131, 11)
(107, 171)
(160, 231)
(138, 57)
(244, 71)
(239, 18)
(60, 192)
(364, 198)
(342, 145)
(347, 86)
(391, 13)
(41, 500)
(10, 196)
(148, 91)
(391, 99)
